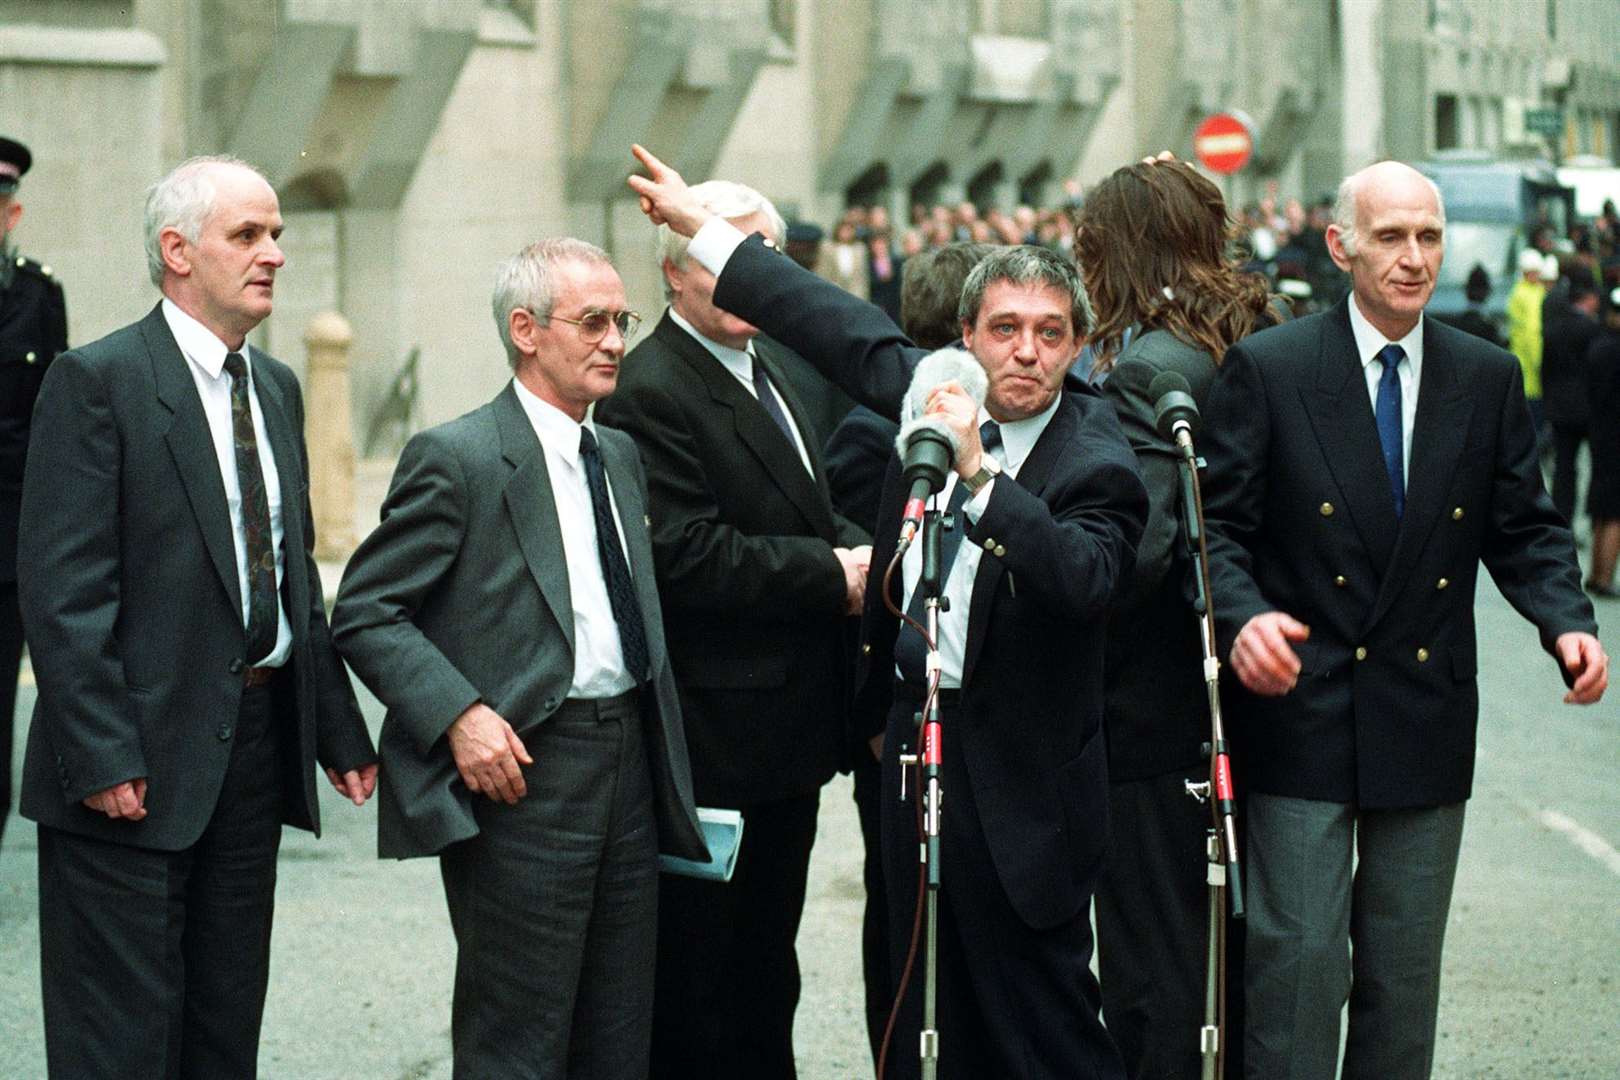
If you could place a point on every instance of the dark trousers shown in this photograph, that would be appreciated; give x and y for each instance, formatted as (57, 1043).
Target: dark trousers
(875, 917)
(1152, 929)
(1345, 903)
(155, 963)
(728, 972)
(1566, 444)
(554, 907)
(1013, 1001)
(11, 645)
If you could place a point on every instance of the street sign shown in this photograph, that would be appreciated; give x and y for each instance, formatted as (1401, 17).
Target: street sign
(1548, 122)
(1224, 142)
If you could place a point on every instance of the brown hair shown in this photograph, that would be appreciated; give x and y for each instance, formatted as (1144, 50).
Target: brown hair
(931, 290)
(1152, 247)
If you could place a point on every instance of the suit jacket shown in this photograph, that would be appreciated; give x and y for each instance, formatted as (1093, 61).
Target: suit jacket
(753, 596)
(131, 603)
(461, 595)
(1157, 716)
(1302, 520)
(1566, 332)
(33, 330)
(1058, 542)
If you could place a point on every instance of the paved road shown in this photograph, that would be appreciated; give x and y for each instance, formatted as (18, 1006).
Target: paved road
(362, 964)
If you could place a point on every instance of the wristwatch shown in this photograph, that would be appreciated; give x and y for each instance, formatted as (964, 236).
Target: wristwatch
(989, 469)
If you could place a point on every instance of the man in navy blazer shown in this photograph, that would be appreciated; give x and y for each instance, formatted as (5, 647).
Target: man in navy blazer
(1362, 464)
(1053, 510)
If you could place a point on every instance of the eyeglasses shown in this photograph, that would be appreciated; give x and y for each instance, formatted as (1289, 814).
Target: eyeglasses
(593, 325)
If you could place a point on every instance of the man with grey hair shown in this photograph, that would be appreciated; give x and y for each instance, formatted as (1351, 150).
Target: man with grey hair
(759, 578)
(1363, 462)
(187, 679)
(1050, 506)
(505, 613)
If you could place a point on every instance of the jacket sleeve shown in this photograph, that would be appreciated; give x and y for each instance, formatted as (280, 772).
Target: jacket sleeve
(1157, 458)
(396, 569)
(69, 584)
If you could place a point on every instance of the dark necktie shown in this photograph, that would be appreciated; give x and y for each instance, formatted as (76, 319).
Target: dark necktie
(261, 552)
(1390, 425)
(910, 654)
(762, 387)
(615, 571)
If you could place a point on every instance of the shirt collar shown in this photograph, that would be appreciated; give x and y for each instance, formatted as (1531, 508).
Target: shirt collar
(1369, 340)
(740, 362)
(198, 342)
(1018, 437)
(558, 432)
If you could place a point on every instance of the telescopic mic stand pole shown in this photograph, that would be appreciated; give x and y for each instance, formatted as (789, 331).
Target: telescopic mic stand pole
(1176, 414)
(932, 792)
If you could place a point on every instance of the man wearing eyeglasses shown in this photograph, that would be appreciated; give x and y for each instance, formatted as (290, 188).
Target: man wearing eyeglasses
(505, 612)
(758, 576)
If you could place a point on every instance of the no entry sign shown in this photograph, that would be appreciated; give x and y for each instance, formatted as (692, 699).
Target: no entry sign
(1223, 142)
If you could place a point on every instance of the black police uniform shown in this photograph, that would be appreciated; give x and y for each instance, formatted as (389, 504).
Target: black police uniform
(33, 329)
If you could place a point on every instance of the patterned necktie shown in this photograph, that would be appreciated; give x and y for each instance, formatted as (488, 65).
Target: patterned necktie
(615, 571)
(261, 553)
(910, 654)
(1390, 426)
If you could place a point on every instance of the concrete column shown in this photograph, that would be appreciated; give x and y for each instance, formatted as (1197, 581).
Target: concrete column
(1362, 129)
(327, 433)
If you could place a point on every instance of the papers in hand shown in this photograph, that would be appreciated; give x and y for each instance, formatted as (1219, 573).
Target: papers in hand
(722, 832)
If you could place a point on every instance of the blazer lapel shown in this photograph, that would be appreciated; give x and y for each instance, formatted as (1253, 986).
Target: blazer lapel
(533, 507)
(755, 429)
(1342, 419)
(814, 499)
(191, 444)
(621, 473)
(1443, 411)
(1032, 477)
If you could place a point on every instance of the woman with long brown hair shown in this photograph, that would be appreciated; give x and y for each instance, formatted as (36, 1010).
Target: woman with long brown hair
(1153, 243)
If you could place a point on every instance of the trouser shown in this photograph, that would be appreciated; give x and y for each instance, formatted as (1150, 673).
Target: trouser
(1345, 903)
(1152, 929)
(728, 971)
(1014, 1001)
(1566, 445)
(155, 963)
(554, 907)
(11, 645)
(875, 916)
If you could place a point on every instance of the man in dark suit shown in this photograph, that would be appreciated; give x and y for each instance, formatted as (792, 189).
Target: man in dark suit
(1052, 511)
(757, 576)
(187, 680)
(1569, 326)
(33, 329)
(504, 610)
(1362, 463)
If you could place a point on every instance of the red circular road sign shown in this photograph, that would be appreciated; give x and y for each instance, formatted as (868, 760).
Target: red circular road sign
(1223, 142)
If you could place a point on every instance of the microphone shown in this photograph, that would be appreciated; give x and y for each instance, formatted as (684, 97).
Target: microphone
(1175, 413)
(926, 444)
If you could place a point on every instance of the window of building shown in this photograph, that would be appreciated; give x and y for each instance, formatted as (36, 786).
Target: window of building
(1445, 121)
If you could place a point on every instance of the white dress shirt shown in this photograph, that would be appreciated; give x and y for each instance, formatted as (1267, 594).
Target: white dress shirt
(740, 362)
(1369, 341)
(1018, 438)
(205, 355)
(599, 669)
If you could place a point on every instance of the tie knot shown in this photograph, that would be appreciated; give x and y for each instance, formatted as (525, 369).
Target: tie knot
(1391, 356)
(587, 442)
(235, 365)
(990, 436)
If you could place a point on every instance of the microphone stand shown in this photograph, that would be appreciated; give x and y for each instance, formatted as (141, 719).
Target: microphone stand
(932, 792)
(1224, 877)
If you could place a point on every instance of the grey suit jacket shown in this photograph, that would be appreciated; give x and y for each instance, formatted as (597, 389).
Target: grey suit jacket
(461, 595)
(131, 603)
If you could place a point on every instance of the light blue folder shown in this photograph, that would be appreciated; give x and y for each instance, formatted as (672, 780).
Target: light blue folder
(722, 832)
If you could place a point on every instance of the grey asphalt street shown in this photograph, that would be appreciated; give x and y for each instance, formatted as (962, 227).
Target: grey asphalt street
(363, 957)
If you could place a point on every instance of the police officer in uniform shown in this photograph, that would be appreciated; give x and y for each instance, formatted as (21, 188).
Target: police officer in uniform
(33, 329)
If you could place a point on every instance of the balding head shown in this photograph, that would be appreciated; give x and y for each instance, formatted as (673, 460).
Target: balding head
(1389, 179)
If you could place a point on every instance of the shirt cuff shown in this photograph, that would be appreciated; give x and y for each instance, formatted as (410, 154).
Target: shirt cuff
(978, 502)
(714, 243)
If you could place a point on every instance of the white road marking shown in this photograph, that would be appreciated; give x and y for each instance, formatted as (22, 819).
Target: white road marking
(1582, 837)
